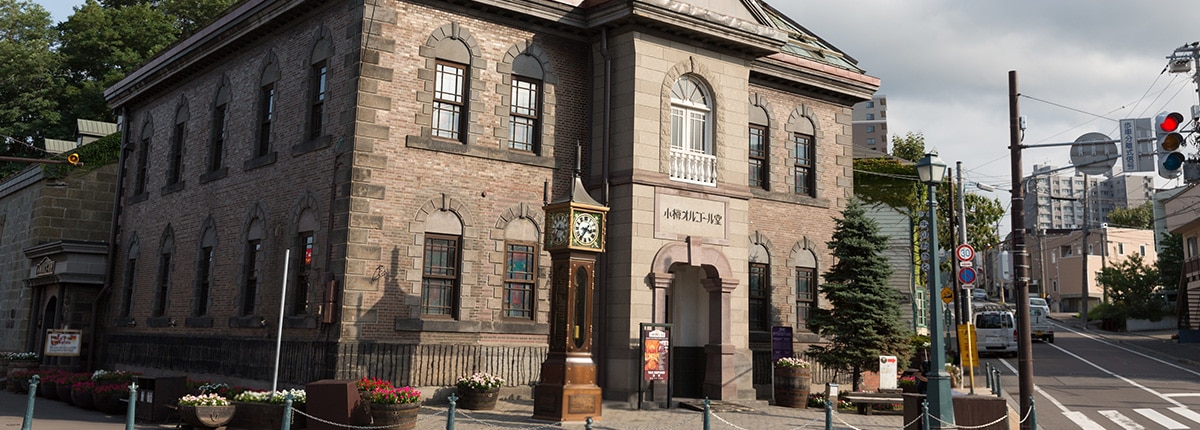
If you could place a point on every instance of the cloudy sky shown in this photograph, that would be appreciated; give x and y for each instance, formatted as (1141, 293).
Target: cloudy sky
(1081, 65)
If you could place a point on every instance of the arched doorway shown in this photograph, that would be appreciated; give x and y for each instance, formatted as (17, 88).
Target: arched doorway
(692, 286)
(49, 322)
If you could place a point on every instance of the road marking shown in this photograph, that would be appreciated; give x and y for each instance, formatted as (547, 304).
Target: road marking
(1089, 336)
(1187, 413)
(1121, 420)
(1182, 395)
(1161, 419)
(1127, 380)
(1083, 421)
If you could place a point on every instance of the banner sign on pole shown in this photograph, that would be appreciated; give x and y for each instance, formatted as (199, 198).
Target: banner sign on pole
(781, 343)
(656, 344)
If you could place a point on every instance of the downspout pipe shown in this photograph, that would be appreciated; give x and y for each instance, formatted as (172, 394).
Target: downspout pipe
(604, 198)
(113, 232)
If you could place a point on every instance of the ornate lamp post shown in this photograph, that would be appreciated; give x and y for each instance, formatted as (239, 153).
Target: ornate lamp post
(932, 170)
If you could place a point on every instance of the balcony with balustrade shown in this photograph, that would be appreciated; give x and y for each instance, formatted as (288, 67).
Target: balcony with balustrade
(693, 167)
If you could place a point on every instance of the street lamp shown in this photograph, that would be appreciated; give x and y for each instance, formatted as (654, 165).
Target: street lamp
(932, 170)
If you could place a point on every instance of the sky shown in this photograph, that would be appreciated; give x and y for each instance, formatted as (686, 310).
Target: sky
(1081, 66)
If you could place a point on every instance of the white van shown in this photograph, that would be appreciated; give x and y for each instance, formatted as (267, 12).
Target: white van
(995, 332)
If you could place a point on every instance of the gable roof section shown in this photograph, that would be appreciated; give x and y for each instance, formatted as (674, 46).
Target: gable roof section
(804, 44)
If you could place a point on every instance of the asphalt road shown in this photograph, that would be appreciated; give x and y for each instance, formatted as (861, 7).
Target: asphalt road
(1086, 382)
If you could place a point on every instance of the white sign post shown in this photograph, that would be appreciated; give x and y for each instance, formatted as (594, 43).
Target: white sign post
(887, 372)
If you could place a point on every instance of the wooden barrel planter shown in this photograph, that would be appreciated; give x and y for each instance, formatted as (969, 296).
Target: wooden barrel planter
(478, 400)
(400, 416)
(792, 385)
(63, 391)
(82, 397)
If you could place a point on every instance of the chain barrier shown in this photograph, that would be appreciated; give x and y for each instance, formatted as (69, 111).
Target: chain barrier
(714, 414)
(914, 421)
(810, 422)
(693, 418)
(839, 418)
(296, 411)
(544, 426)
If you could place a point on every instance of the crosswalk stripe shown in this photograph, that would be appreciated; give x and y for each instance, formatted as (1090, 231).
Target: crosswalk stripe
(1122, 420)
(1082, 420)
(1161, 419)
(1187, 413)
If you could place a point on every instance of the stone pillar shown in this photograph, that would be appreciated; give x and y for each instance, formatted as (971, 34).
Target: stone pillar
(719, 375)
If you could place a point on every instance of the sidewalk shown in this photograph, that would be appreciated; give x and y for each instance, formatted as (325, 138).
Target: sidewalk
(513, 413)
(1157, 343)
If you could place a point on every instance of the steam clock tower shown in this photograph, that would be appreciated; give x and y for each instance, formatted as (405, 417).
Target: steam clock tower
(575, 238)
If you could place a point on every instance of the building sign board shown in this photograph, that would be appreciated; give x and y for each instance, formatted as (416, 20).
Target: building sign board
(63, 343)
(678, 216)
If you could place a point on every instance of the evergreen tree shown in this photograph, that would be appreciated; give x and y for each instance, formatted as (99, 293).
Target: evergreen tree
(863, 321)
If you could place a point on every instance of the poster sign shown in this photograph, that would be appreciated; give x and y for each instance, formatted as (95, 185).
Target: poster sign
(656, 345)
(887, 372)
(966, 346)
(63, 343)
(781, 343)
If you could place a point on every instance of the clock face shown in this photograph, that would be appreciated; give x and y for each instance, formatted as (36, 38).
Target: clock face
(559, 228)
(587, 228)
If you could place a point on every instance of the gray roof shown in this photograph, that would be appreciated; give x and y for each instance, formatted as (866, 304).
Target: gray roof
(55, 146)
(94, 128)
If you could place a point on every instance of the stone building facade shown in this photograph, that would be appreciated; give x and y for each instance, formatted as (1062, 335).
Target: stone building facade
(54, 235)
(389, 160)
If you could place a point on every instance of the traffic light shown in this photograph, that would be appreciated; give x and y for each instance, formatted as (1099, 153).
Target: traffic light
(74, 159)
(1168, 140)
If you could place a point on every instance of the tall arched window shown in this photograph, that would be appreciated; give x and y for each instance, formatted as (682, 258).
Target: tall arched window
(692, 158)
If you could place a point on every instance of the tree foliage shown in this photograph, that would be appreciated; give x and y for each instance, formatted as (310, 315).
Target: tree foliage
(1129, 286)
(863, 321)
(1170, 261)
(1141, 217)
(911, 147)
(52, 75)
(28, 84)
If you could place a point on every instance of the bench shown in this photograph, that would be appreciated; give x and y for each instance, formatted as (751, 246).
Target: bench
(864, 400)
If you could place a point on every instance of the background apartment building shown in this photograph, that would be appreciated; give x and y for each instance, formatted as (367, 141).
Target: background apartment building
(1056, 201)
(870, 124)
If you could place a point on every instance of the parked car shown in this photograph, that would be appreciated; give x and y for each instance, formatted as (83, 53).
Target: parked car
(978, 294)
(1039, 320)
(995, 332)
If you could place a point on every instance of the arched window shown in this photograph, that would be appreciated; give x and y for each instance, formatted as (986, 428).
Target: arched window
(692, 157)
(525, 111)
(690, 112)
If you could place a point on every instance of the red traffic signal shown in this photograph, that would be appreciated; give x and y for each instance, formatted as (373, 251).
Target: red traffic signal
(1168, 121)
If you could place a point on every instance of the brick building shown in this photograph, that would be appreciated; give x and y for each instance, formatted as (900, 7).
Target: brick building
(401, 153)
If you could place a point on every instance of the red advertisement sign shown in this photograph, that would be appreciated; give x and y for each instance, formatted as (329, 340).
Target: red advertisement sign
(655, 347)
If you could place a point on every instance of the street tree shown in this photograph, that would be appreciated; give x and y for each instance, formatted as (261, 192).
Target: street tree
(1170, 261)
(1129, 286)
(863, 321)
(28, 85)
(1141, 217)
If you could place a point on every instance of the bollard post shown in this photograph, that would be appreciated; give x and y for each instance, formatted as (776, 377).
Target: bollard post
(924, 415)
(587, 424)
(988, 368)
(707, 414)
(1032, 414)
(132, 408)
(27, 423)
(828, 416)
(450, 414)
(999, 387)
(287, 410)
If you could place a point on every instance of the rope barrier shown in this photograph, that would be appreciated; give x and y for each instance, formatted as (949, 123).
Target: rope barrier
(839, 418)
(726, 422)
(914, 421)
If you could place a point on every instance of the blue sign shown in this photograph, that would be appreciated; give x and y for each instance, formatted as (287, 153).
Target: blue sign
(966, 275)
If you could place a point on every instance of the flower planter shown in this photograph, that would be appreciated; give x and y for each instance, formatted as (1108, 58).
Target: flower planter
(206, 417)
(478, 400)
(264, 416)
(82, 398)
(110, 404)
(62, 390)
(48, 389)
(401, 416)
(792, 385)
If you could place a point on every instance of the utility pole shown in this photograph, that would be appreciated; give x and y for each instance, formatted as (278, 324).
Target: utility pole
(1019, 258)
(954, 241)
(1083, 253)
(962, 239)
